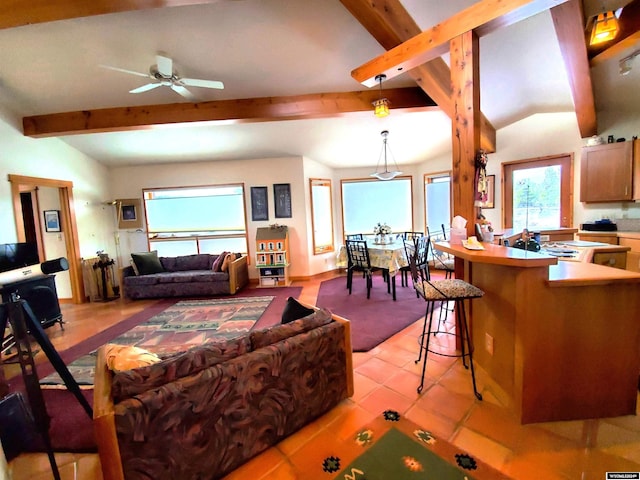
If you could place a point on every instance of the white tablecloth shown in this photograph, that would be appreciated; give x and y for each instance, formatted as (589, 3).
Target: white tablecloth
(390, 256)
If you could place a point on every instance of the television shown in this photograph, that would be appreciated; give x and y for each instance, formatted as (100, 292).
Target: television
(18, 255)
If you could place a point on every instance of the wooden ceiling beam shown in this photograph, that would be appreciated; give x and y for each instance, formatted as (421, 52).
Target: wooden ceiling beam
(483, 17)
(238, 111)
(390, 24)
(17, 13)
(567, 20)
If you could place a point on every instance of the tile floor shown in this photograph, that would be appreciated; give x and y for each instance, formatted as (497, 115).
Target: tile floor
(386, 378)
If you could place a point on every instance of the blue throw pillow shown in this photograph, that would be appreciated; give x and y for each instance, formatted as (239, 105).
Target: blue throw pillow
(294, 311)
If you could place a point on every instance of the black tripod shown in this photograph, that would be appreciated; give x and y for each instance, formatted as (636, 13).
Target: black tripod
(24, 323)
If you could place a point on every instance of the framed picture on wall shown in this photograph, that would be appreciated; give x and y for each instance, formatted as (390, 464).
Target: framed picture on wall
(52, 220)
(282, 199)
(259, 204)
(491, 191)
(129, 213)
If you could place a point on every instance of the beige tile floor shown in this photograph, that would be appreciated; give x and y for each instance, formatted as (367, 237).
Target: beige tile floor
(386, 378)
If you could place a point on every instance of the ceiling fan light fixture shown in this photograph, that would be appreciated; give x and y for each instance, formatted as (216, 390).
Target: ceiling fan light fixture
(386, 174)
(605, 28)
(381, 106)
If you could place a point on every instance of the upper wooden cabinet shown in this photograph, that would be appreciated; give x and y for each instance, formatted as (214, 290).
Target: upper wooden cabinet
(608, 173)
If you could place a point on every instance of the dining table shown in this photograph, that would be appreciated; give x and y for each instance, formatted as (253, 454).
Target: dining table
(389, 255)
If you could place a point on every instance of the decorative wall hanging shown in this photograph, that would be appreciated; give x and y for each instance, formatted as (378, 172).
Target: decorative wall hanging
(259, 204)
(282, 199)
(129, 214)
(52, 221)
(481, 179)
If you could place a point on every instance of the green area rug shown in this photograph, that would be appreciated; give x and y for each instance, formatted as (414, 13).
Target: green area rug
(392, 447)
(185, 324)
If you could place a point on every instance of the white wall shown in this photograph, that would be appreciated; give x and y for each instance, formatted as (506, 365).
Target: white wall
(546, 134)
(128, 182)
(54, 159)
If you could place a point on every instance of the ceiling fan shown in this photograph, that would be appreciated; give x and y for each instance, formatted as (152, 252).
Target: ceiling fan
(163, 74)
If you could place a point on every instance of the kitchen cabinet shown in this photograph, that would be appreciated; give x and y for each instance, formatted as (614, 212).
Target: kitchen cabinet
(611, 259)
(611, 238)
(607, 172)
(633, 257)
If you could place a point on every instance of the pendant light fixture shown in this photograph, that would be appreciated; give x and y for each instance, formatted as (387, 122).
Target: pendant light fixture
(381, 106)
(605, 28)
(386, 174)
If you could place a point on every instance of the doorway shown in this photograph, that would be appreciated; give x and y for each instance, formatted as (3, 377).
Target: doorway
(28, 185)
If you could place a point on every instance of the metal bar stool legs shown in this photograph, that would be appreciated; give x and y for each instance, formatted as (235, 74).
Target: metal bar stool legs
(466, 349)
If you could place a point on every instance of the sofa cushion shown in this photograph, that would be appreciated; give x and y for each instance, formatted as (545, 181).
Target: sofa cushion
(217, 263)
(227, 260)
(183, 263)
(139, 280)
(192, 276)
(293, 310)
(147, 262)
(268, 336)
(126, 357)
(135, 381)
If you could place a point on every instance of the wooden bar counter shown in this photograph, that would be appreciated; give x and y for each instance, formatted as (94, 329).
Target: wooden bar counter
(565, 335)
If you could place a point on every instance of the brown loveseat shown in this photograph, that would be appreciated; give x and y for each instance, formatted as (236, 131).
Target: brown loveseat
(203, 413)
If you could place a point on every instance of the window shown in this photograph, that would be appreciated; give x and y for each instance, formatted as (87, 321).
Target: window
(437, 195)
(538, 193)
(188, 220)
(321, 215)
(367, 202)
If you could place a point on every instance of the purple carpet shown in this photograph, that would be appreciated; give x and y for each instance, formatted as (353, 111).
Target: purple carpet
(71, 430)
(376, 319)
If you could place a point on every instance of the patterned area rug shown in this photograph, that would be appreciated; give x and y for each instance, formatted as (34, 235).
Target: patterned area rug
(392, 447)
(183, 325)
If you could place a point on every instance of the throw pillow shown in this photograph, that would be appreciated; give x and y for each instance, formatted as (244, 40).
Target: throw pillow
(217, 263)
(293, 310)
(147, 262)
(227, 260)
(126, 357)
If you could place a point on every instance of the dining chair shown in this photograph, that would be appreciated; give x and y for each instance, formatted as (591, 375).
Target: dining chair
(355, 236)
(441, 260)
(360, 261)
(439, 291)
(409, 246)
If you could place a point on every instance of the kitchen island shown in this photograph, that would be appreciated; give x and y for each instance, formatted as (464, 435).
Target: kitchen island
(561, 340)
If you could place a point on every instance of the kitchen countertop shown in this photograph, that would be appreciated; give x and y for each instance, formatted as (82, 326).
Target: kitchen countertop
(579, 250)
(616, 233)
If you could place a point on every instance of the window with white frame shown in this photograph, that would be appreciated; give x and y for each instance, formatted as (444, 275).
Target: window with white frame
(365, 203)
(437, 195)
(204, 219)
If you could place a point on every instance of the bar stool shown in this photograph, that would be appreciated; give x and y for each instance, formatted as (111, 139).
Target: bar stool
(436, 291)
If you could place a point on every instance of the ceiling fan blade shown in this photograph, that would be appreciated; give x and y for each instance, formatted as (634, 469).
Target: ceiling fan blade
(124, 70)
(184, 92)
(194, 82)
(145, 88)
(165, 65)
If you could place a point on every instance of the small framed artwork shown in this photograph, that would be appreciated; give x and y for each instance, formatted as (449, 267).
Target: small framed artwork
(129, 213)
(282, 199)
(259, 204)
(52, 220)
(491, 192)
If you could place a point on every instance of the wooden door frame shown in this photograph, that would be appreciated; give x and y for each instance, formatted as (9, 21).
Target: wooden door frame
(67, 222)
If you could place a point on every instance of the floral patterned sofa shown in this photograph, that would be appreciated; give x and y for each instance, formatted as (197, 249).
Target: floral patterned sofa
(203, 413)
(185, 276)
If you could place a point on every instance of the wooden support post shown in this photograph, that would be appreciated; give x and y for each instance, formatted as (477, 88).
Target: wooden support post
(466, 123)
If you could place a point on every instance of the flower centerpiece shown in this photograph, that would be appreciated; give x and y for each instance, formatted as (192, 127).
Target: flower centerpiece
(381, 230)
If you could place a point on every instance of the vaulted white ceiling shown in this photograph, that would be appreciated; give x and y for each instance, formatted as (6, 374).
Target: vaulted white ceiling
(266, 48)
